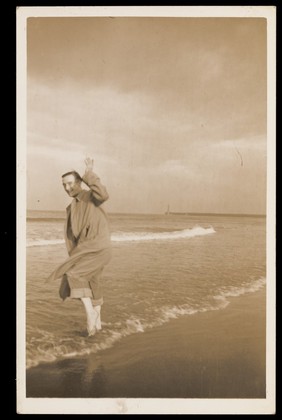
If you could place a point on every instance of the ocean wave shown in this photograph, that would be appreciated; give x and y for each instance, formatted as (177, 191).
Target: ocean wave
(136, 236)
(44, 242)
(46, 347)
(217, 302)
(158, 236)
(233, 291)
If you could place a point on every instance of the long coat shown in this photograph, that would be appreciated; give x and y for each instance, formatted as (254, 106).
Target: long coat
(87, 233)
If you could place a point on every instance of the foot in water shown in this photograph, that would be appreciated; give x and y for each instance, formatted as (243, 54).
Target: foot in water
(94, 321)
(97, 310)
(91, 325)
(93, 316)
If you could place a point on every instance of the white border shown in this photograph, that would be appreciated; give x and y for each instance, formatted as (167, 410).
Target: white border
(145, 406)
(21, 204)
(148, 11)
(271, 211)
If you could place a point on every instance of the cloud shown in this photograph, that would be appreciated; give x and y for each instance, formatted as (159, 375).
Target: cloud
(254, 143)
(161, 105)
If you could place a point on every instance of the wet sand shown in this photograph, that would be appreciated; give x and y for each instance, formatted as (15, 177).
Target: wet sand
(217, 354)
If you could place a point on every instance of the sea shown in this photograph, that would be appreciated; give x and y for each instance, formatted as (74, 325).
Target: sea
(163, 267)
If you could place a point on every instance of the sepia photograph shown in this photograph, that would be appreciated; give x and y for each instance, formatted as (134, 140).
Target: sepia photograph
(145, 217)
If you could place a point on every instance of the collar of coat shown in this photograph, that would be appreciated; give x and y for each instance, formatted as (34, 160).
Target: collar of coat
(79, 195)
(77, 198)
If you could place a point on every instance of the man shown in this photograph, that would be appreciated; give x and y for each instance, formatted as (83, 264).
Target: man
(88, 243)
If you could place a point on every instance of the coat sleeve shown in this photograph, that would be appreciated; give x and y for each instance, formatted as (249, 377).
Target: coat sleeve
(98, 190)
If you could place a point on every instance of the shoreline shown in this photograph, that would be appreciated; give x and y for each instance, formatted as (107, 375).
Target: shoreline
(214, 354)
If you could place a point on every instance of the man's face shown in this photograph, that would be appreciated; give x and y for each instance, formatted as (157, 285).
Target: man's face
(71, 186)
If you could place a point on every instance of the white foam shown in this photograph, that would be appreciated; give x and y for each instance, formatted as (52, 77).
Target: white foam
(241, 290)
(220, 302)
(137, 236)
(158, 236)
(43, 242)
(47, 348)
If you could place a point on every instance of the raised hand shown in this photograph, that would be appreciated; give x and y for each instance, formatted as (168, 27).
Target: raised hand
(89, 163)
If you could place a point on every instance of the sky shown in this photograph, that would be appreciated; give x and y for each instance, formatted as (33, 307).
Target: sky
(173, 111)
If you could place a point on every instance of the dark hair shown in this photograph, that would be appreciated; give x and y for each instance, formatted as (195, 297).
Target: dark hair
(76, 175)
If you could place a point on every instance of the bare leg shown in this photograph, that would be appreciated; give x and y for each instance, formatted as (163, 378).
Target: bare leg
(92, 315)
(97, 309)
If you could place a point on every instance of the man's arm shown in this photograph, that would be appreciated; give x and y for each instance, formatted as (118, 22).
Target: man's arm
(99, 192)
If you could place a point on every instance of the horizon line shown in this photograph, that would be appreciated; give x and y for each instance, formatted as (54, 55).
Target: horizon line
(168, 214)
